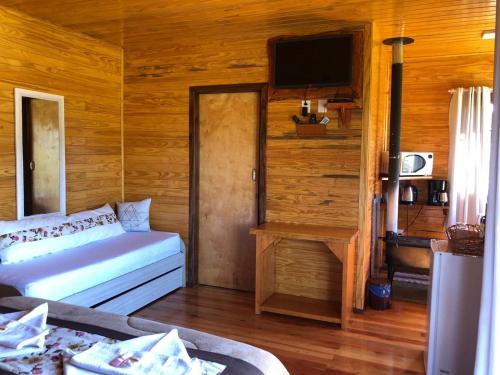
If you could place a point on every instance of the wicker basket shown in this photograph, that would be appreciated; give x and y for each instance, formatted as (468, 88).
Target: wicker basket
(466, 238)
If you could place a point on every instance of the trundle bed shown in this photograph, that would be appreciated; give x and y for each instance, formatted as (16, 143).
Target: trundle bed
(120, 274)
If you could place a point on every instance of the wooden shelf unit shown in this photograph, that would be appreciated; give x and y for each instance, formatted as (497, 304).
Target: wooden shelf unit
(407, 178)
(419, 204)
(340, 241)
(344, 110)
(310, 130)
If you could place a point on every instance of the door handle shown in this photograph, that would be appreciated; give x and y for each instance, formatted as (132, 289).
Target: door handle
(254, 175)
(32, 165)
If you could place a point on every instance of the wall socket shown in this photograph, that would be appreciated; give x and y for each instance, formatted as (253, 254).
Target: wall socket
(305, 107)
(322, 105)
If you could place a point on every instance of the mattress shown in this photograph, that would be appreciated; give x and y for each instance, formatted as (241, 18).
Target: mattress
(62, 274)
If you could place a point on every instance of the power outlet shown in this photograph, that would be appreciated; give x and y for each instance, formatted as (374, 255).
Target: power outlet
(305, 107)
(322, 105)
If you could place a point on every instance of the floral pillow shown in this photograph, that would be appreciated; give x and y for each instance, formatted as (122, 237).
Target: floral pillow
(77, 230)
(32, 222)
(70, 227)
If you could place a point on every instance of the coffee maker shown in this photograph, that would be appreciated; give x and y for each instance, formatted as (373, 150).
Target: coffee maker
(438, 193)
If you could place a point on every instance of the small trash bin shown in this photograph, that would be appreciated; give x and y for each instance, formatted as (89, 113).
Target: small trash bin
(379, 293)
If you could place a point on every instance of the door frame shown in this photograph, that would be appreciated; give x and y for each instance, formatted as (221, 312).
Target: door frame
(19, 94)
(194, 162)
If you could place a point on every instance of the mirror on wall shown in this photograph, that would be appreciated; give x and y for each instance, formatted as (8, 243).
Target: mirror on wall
(40, 166)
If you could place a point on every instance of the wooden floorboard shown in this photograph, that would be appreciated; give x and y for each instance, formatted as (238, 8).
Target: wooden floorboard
(376, 342)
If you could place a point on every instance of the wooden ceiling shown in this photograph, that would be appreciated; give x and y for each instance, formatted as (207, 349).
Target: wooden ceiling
(454, 25)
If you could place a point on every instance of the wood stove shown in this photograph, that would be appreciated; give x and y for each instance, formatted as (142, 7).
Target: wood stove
(410, 253)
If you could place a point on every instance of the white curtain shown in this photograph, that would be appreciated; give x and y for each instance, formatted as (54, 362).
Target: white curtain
(469, 154)
(488, 341)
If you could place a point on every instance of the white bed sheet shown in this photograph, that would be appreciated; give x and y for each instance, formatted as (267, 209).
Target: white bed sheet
(60, 275)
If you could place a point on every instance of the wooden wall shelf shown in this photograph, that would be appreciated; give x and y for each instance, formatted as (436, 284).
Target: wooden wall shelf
(418, 204)
(407, 178)
(344, 110)
(340, 241)
(335, 134)
(311, 130)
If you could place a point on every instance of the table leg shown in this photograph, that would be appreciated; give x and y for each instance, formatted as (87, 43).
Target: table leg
(264, 269)
(347, 282)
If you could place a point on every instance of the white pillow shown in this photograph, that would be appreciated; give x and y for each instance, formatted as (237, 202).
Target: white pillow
(32, 222)
(134, 216)
(77, 230)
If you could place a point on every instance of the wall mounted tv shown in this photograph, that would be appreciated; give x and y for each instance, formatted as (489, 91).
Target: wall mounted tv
(313, 62)
(323, 64)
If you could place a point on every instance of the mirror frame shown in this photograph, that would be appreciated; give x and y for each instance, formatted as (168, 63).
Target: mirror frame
(18, 97)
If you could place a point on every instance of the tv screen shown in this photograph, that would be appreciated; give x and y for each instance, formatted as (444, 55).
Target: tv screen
(313, 62)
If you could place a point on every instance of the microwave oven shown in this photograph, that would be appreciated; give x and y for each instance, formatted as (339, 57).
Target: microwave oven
(412, 163)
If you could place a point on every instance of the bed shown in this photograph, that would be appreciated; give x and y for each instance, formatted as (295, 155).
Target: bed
(119, 274)
(214, 348)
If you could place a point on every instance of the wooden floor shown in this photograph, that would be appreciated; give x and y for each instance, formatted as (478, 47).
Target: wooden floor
(377, 342)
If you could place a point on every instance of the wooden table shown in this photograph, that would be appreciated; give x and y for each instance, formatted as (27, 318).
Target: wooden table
(340, 241)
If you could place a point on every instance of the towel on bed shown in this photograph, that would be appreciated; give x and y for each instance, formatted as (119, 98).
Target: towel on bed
(153, 354)
(23, 332)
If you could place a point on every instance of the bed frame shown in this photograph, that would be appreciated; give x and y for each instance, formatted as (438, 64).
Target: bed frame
(136, 289)
(128, 293)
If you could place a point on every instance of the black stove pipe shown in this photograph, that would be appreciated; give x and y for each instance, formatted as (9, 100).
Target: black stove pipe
(395, 136)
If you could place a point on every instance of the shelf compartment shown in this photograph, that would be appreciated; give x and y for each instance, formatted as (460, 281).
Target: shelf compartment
(340, 241)
(303, 307)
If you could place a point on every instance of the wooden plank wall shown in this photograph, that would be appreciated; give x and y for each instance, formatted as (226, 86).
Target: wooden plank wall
(426, 99)
(427, 78)
(314, 181)
(39, 56)
(311, 181)
(423, 221)
(426, 82)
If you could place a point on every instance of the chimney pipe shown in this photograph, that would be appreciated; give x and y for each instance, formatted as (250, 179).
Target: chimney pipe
(395, 135)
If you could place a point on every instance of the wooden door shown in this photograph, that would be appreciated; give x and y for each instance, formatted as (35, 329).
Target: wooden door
(227, 190)
(41, 156)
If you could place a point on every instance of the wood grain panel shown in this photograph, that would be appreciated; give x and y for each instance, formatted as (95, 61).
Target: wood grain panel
(445, 27)
(229, 127)
(367, 170)
(40, 56)
(426, 100)
(423, 221)
(309, 181)
(308, 269)
(426, 82)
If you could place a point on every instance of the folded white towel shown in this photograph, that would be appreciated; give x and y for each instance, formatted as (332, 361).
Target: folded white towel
(23, 332)
(153, 354)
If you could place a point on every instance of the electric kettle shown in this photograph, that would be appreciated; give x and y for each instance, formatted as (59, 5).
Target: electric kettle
(409, 194)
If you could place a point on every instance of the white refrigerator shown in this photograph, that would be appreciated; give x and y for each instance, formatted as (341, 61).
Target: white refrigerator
(454, 302)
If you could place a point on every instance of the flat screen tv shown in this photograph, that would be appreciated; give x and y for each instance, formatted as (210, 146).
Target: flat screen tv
(318, 61)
